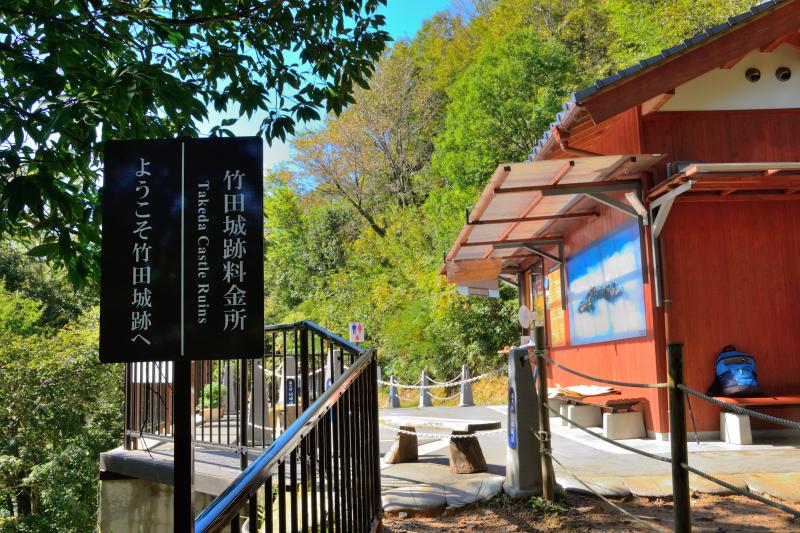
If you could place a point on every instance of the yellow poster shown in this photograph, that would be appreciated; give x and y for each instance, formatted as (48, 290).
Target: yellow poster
(558, 329)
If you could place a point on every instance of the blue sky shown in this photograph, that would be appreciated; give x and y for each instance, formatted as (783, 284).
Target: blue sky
(403, 19)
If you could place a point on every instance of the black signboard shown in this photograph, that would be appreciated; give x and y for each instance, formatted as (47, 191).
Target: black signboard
(182, 260)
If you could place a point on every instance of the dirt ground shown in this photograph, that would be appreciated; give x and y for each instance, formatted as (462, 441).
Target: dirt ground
(717, 514)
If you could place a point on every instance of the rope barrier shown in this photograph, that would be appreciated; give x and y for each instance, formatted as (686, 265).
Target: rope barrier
(278, 374)
(601, 380)
(746, 492)
(610, 441)
(609, 502)
(452, 384)
(741, 410)
(445, 399)
(443, 383)
(443, 436)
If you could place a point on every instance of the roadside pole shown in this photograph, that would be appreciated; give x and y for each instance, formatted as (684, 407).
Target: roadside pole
(523, 460)
(677, 439)
(548, 475)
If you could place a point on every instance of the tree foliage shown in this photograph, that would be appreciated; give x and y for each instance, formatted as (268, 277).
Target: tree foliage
(476, 87)
(500, 106)
(372, 155)
(59, 408)
(75, 73)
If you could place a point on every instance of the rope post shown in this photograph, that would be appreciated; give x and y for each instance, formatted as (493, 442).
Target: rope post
(523, 463)
(466, 388)
(548, 475)
(677, 438)
(394, 399)
(424, 396)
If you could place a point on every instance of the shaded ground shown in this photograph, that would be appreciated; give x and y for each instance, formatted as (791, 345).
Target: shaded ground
(711, 514)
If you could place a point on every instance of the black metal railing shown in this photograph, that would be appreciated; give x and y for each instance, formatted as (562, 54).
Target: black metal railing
(309, 404)
(321, 473)
(264, 392)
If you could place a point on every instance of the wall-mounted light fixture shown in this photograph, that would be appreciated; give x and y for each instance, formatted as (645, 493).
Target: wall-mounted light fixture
(783, 73)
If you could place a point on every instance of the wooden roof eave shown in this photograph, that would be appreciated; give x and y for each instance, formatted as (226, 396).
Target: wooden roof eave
(496, 181)
(692, 62)
(725, 179)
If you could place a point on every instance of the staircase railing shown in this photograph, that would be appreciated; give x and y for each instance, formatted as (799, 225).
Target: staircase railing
(239, 403)
(322, 473)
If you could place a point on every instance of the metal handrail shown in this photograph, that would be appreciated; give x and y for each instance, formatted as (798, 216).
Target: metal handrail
(322, 332)
(225, 506)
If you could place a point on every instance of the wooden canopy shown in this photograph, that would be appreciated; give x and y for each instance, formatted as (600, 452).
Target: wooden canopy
(735, 180)
(509, 223)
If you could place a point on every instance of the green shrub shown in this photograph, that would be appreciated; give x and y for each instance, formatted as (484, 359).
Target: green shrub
(211, 396)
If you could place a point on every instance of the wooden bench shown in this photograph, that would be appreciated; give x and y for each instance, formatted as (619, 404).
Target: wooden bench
(735, 428)
(466, 456)
(614, 414)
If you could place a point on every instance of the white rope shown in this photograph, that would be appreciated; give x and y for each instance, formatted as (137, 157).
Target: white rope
(448, 382)
(469, 380)
(441, 435)
(279, 375)
(445, 399)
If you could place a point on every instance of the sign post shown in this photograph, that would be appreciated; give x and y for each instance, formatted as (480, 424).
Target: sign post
(182, 274)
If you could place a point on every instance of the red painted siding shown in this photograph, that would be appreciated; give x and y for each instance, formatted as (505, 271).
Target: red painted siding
(632, 360)
(723, 136)
(732, 276)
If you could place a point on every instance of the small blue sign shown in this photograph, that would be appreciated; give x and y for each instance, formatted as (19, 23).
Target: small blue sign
(512, 419)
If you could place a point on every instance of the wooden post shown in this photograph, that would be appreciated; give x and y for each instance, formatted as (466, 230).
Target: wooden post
(677, 438)
(548, 475)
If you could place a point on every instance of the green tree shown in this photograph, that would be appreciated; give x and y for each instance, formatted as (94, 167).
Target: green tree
(501, 105)
(642, 28)
(75, 73)
(371, 155)
(59, 408)
(32, 278)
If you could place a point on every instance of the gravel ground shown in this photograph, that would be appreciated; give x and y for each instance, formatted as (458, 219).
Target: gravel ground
(710, 514)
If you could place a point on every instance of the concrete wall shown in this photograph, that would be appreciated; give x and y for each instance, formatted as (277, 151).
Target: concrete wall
(139, 506)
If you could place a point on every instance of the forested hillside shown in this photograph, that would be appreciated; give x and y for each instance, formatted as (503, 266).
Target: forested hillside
(358, 223)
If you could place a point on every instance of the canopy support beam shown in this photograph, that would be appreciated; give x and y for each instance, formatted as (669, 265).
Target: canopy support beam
(659, 211)
(533, 219)
(533, 246)
(544, 254)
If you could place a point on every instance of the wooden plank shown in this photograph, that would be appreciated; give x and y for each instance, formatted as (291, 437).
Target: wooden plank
(507, 241)
(657, 102)
(770, 47)
(459, 272)
(693, 62)
(568, 166)
(765, 401)
(500, 175)
(538, 218)
(727, 65)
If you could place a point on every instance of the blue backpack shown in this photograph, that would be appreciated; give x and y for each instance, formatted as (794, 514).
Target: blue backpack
(736, 374)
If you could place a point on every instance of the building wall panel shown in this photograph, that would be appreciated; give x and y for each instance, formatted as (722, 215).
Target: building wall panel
(732, 276)
(723, 136)
(633, 360)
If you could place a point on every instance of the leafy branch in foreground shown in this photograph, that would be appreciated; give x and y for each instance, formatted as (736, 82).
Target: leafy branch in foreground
(76, 73)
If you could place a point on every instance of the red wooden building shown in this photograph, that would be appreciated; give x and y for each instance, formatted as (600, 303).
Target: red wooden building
(663, 206)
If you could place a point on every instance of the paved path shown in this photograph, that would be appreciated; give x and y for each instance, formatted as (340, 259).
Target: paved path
(771, 467)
